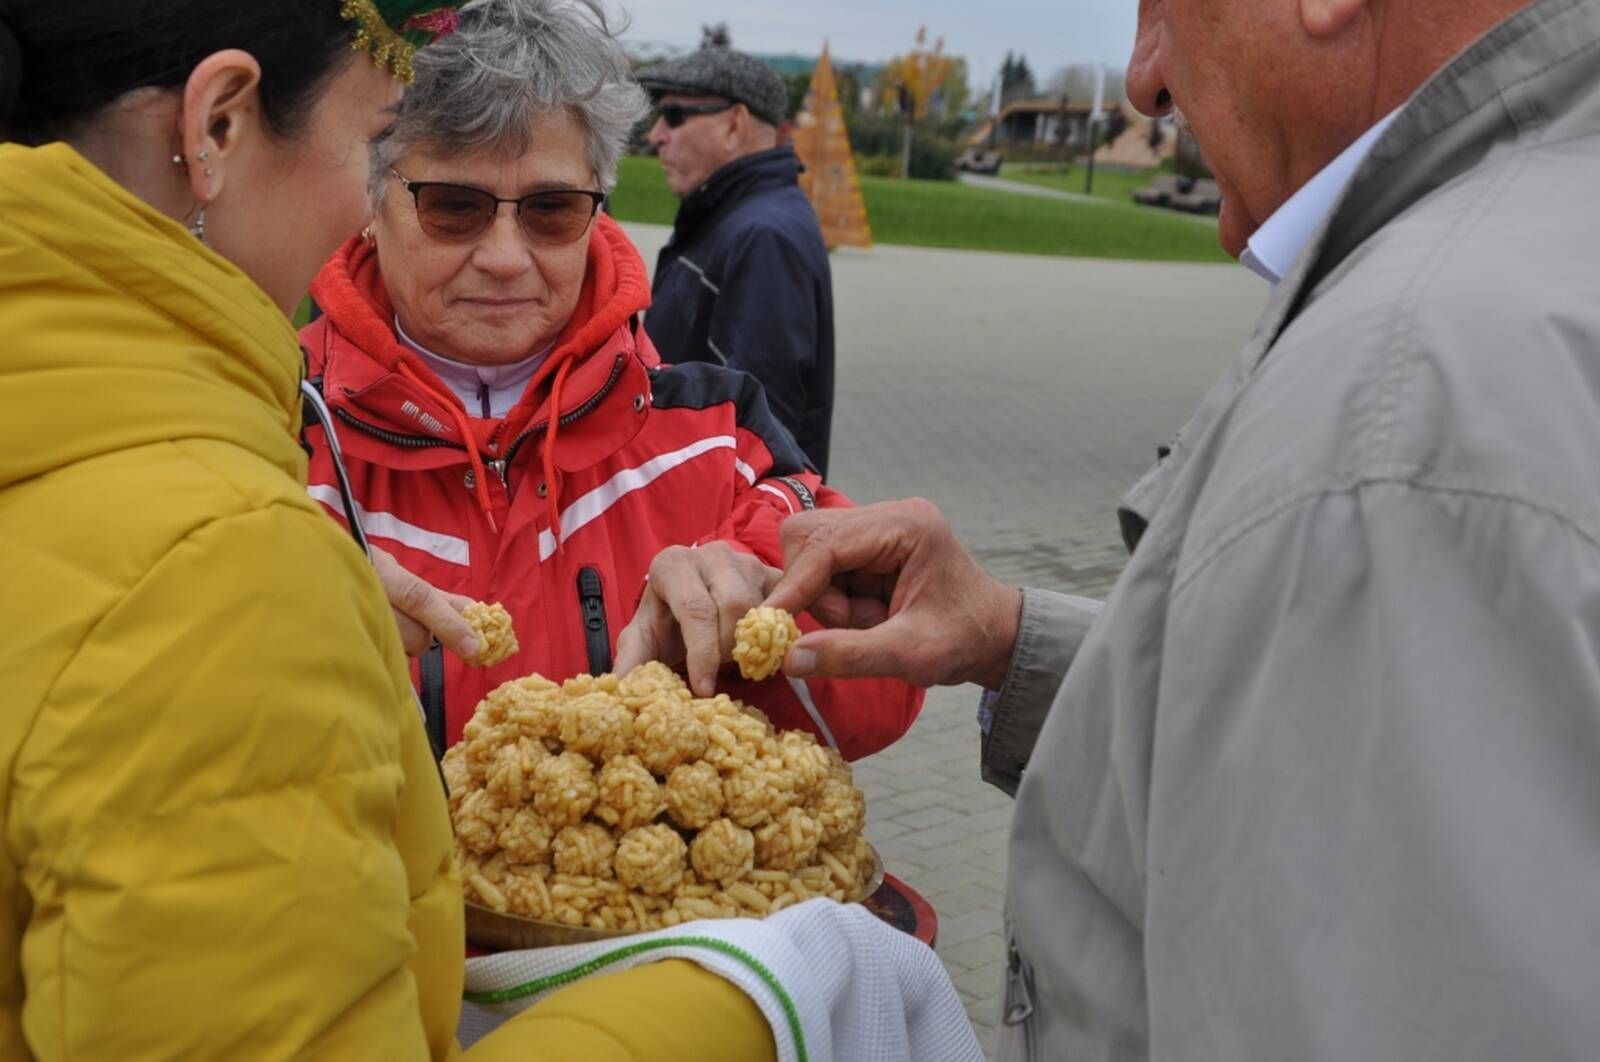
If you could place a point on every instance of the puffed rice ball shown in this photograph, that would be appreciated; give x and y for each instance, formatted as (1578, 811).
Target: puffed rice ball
(723, 852)
(761, 639)
(584, 850)
(650, 682)
(651, 859)
(564, 789)
(531, 704)
(525, 838)
(510, 773)
(578, 685)
(629, 794)
(481, 743)
(707, 709)
(527, 892)
(839, 809)
(788, 842)
(694, 795)
(477, 821)
(666, 733)
(492, 624)
(805, 759)
(597, 725)
(735, 742)
(753, 795)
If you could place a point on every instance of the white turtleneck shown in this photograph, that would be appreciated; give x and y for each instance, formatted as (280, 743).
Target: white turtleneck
(486, 390)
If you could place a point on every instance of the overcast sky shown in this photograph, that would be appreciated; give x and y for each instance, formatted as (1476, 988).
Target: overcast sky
(1051, 33)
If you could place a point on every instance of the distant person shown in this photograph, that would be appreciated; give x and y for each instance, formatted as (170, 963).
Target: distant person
(744, 280)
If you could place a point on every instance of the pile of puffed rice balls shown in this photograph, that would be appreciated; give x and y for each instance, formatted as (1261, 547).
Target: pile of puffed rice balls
(629, 804)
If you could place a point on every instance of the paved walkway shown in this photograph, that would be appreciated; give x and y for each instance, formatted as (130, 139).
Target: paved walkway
(1000, 184)
(1024, 395)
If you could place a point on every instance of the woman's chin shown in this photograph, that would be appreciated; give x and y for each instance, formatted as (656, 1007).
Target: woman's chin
(482, 343)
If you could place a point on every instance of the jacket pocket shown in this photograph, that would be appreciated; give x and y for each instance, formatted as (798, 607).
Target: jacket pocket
(1019, 1024)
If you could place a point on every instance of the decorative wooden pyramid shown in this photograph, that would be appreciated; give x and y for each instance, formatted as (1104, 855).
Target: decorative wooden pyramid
(829, 180)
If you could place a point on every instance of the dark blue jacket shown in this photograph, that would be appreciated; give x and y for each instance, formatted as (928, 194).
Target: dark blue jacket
(744, 282)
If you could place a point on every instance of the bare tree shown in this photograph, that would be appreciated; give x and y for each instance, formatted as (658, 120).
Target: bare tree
(1076, 81)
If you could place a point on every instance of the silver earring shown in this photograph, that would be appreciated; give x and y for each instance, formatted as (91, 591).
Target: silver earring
(177, 160)
(198, 229)
(203, 156)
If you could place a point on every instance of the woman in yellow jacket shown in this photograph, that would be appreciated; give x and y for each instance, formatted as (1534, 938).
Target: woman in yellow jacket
(224, 834)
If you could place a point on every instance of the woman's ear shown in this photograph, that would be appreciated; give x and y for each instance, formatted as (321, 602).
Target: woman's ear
(1323, 19)
(221, 113)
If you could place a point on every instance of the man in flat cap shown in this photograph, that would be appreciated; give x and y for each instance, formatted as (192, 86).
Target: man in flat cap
(744, 280)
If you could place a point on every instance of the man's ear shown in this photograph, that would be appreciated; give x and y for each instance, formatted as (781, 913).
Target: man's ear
(739, 125)
(1324, 19)
(221, 110)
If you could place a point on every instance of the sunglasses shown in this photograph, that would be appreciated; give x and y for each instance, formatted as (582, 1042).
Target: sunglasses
(457, 212)
(675, 114)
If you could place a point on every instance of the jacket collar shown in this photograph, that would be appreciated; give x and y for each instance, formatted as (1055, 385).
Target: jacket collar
(1527, 72)
(775, 168)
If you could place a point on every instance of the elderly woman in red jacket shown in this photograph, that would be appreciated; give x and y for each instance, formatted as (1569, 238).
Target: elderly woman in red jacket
(509, 430)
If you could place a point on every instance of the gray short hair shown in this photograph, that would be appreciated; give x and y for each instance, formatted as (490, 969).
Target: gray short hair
(479, 88)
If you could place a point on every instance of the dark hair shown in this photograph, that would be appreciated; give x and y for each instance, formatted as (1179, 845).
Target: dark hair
(64, 61)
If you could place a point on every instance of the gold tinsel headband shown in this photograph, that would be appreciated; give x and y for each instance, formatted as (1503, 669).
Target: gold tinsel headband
(393, 49)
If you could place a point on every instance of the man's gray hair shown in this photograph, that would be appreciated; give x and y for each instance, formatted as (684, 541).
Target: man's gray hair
(478, 89)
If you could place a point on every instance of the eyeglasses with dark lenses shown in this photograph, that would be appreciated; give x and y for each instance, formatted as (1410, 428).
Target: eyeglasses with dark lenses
(675, 114)
(457, 212)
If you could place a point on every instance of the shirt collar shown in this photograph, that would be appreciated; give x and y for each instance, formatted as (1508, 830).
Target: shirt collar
(1282, 237)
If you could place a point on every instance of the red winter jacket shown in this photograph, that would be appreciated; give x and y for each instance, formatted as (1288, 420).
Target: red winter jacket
(644, 457)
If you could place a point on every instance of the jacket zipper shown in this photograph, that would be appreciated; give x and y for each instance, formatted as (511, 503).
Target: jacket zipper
(583, 410)
(592, 604)
(1019, 998)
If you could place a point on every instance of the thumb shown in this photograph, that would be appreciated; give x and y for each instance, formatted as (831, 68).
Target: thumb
(881, 652)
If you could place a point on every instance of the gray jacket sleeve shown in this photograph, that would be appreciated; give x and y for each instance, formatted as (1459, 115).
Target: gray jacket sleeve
(1376, 766)
(1052, 628)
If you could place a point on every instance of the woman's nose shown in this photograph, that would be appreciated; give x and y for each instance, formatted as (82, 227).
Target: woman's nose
(503, 249)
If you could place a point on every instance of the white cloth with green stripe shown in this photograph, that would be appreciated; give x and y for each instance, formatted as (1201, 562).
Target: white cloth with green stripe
(835, 983)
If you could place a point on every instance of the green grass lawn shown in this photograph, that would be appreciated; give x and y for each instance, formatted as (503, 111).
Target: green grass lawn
(951, 215)
(1115, 185)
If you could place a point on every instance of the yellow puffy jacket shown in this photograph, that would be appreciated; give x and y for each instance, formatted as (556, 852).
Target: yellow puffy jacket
(224, 834)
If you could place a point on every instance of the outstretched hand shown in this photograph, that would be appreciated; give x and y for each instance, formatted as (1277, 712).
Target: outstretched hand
(901, 595)
(692, 602)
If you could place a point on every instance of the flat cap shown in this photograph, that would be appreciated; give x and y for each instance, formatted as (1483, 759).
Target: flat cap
(723, 72)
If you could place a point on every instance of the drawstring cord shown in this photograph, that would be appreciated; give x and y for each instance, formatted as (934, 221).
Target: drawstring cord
(550, 449)
(561, 362)
(480, 477)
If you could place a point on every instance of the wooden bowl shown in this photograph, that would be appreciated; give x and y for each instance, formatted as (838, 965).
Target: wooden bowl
(493, 931)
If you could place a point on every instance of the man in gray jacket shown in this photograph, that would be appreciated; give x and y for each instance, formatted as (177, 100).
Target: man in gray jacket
(1321, 780)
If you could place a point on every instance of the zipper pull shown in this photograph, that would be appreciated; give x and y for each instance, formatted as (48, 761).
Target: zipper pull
(499, 470)
(592, 603)
(1019, 994)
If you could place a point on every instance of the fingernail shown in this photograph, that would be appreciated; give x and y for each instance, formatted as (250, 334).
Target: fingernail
(801, 662)
(469, 647)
